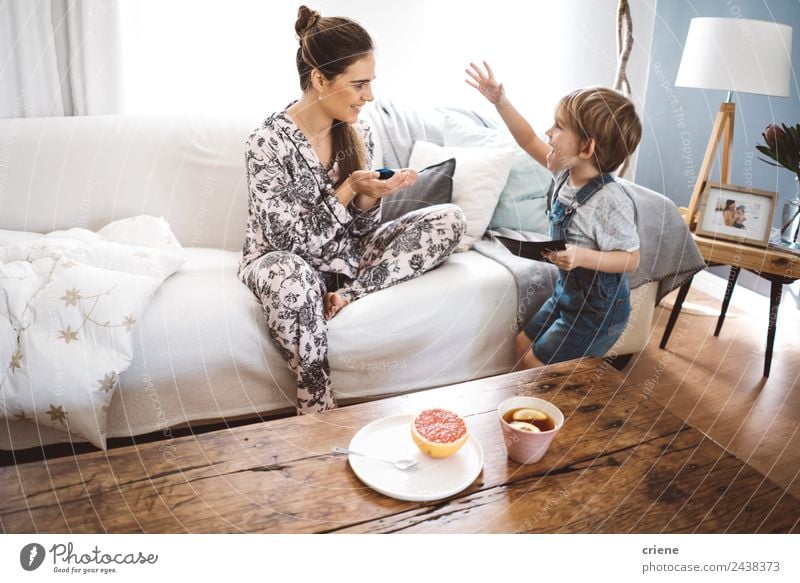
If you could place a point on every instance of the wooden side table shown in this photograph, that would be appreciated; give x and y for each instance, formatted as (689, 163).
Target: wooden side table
(776, 266)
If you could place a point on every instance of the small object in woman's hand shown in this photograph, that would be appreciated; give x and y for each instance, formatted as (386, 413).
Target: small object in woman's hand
(384, 173)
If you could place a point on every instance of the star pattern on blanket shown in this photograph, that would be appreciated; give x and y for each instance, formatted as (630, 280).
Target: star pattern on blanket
(108, 383)
(57, 414)
(68, 335)
(71, 297)
(16, 361)
(129, 322)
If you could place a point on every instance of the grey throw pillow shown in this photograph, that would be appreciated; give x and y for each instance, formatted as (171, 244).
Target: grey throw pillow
(433, 186)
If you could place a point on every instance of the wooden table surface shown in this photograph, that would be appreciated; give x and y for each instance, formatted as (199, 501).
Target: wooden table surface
(621, 464)
(763, 260)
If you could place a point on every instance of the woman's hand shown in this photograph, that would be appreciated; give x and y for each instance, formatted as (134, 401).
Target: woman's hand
(568, 259)
(485, 82)
(366, 182)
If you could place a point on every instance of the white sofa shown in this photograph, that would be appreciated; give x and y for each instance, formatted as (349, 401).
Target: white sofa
(203, 353)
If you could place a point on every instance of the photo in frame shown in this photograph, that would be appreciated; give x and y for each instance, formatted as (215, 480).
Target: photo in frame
(735, 213)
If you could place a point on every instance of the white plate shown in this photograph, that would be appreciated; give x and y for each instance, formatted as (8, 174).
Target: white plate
(432, 479)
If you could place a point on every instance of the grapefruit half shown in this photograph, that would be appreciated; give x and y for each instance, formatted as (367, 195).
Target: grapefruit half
(439, 433)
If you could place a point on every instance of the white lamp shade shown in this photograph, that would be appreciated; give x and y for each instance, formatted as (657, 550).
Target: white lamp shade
(735, 54)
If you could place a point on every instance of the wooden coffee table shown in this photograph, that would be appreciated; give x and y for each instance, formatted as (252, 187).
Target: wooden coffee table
(621, 464)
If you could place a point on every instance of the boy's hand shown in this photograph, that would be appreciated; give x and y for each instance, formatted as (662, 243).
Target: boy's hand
(568, 259)
(485, 82)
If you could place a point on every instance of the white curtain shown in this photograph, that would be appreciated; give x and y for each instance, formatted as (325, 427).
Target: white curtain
(60, 57)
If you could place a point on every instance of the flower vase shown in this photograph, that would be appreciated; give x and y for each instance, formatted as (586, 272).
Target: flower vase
(790, 222)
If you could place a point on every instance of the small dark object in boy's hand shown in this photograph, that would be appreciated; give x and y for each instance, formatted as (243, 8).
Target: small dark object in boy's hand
(384, 173)
(537, 250)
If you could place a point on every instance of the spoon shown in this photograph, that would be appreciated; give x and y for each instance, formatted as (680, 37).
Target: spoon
(399, 464)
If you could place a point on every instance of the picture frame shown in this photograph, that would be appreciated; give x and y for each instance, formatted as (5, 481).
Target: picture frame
(735, 213)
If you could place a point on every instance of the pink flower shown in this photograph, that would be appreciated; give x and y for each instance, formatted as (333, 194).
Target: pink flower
(772, 134)
(783, 147)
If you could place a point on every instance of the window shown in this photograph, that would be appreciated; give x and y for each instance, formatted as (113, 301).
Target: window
(237, 57)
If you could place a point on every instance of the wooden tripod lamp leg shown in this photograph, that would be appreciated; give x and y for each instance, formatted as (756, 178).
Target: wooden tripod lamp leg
(723, 123)
(727, 142)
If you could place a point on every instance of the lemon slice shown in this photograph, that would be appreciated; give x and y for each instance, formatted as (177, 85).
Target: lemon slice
(528, 415)
(523, 426)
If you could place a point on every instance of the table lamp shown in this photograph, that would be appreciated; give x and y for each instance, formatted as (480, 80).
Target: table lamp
(732, 54)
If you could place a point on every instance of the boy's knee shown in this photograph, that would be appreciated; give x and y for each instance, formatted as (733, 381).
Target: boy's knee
(526, 359)
(523, 345)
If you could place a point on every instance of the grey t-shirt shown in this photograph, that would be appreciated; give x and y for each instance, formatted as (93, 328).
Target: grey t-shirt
(606, 222)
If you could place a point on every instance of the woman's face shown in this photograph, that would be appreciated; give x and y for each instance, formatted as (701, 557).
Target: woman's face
(343, 97)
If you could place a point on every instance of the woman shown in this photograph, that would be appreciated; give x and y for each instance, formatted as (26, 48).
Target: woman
(729, 212)
(314, 242)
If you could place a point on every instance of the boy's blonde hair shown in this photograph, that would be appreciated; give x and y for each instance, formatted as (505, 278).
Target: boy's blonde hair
(606, 116)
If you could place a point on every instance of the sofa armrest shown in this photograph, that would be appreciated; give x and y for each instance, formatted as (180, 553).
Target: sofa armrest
(637, 332)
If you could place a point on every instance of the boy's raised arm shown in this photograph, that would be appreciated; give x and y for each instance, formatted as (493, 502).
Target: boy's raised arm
(487, 85)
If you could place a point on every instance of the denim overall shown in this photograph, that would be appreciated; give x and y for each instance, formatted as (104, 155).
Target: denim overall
(588, 309)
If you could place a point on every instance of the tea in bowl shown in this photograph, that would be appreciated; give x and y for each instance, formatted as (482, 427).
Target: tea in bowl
(529, 424)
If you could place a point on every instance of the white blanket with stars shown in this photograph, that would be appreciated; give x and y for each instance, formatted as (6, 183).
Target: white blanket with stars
(68, 303)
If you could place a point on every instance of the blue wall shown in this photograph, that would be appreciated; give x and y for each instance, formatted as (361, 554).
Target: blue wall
(678, 120)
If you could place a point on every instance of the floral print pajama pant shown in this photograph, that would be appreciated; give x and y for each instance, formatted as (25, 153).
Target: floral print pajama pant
(292, 291)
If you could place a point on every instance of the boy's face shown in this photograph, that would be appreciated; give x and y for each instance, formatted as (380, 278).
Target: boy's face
(565, 144)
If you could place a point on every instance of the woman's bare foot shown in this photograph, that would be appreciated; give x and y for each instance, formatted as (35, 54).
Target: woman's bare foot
(332, 303)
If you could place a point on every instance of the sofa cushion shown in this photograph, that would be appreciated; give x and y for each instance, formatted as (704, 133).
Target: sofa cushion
(433, 186)
(522, 202)
(479, 178)
(86, 171)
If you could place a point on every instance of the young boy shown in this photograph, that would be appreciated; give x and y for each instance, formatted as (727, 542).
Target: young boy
(594, 132)
(739, 217)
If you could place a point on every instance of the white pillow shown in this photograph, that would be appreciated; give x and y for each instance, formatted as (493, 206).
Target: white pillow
(142, 230)
(523, 201)
(481, 174)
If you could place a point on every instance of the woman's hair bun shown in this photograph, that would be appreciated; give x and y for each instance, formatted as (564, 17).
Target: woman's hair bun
(306, 20)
